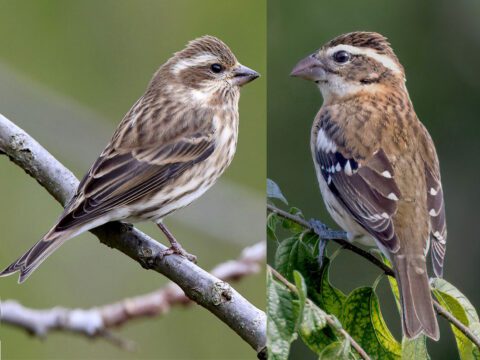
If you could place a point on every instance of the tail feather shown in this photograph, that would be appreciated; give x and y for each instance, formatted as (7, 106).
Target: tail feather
(32, 259)
(416, 298)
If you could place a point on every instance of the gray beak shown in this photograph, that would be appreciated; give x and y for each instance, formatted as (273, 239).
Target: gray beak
(243, 75)
(309, 68)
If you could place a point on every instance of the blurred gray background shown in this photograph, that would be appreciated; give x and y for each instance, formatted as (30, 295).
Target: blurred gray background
(69, 71)
(438, 42)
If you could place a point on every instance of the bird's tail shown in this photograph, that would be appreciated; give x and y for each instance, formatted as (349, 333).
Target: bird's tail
(416, 298)
(32, 259)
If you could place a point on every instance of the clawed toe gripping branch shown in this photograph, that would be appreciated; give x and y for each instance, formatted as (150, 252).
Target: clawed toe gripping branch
(189, 282)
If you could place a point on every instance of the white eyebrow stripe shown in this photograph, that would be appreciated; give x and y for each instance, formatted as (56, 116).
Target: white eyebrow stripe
(385, 60)
(200, 59)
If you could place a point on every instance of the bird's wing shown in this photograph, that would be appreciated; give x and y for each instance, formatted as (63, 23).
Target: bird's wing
(126, 172)
(435, 203)
(366, 188)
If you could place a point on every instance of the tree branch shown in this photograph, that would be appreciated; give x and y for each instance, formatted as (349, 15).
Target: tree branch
(98, 321)
(330, 320)
(205, 289)
(374, 260)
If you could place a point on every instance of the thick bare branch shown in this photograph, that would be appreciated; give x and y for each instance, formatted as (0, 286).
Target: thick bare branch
(99, 321)
(205, 289)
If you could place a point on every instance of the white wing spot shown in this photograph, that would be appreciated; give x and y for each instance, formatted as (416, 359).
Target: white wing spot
(348, 168)
(432, 212)
(433, 191)
(385, 215)
(392, 196)
(439, 237)
(329, 180)
(338, 167)
(387, 174)
(324, 143)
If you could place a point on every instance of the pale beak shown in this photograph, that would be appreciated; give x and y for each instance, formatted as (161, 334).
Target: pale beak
(309, 68)
(243, 75)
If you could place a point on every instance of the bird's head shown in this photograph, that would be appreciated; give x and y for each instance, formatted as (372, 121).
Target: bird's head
(350, 63)
(205, 68)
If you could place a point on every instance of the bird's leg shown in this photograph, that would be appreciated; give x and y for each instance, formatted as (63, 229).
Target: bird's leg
(318, 227)
(175, 247)
(325, 234)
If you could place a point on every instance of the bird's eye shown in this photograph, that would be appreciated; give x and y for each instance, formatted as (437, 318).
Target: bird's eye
(341, 56)
(216, 68)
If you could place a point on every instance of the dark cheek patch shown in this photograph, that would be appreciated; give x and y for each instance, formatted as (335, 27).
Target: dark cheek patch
(194, 76)
(364, 70)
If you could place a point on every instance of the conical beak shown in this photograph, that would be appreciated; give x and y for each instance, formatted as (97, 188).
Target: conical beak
(309, 68)
(243, 75)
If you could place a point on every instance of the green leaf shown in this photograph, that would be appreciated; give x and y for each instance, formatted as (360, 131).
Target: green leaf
(311, 239)
(328, 297)
(274, 192)
(458, 305)
(302, 295)
(281, 319)
(292, 226)
(415, 348)
(444, 287)
(336, 351)
(301, 287)
(272, 221)
(294, 254)
(312, 320)
(363, 320)
(286, 251)
(312, 329)
(393, 286)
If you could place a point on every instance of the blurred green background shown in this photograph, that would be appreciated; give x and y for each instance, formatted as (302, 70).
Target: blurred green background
(69, 71)
(438, 42)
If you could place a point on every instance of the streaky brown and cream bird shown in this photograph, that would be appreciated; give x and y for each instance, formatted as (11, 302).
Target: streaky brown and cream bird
(170, 148)
(377, 166)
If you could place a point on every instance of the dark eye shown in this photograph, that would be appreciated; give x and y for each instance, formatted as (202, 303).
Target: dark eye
(216, 68)
(341, 56)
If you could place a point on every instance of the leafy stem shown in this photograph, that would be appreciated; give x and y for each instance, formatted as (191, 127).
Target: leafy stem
(340, 238)
(330, 320)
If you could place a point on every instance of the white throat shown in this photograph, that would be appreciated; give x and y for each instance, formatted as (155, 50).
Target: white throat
(338, 87)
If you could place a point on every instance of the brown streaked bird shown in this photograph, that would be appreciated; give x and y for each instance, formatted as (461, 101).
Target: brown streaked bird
(170, 148)
(377, 166)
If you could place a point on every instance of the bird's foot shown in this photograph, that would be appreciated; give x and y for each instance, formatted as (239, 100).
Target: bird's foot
(178, 250)
(317, 226)
(175, 247)
(324, 232)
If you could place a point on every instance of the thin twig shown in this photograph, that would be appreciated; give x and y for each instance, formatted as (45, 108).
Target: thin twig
(205, 289)
(330, 320)
(457, 323)
(385, 268)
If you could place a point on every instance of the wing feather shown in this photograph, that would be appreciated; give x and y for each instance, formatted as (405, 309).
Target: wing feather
(121, 176)
(367, 192)
(438, 225)
(435, 203)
